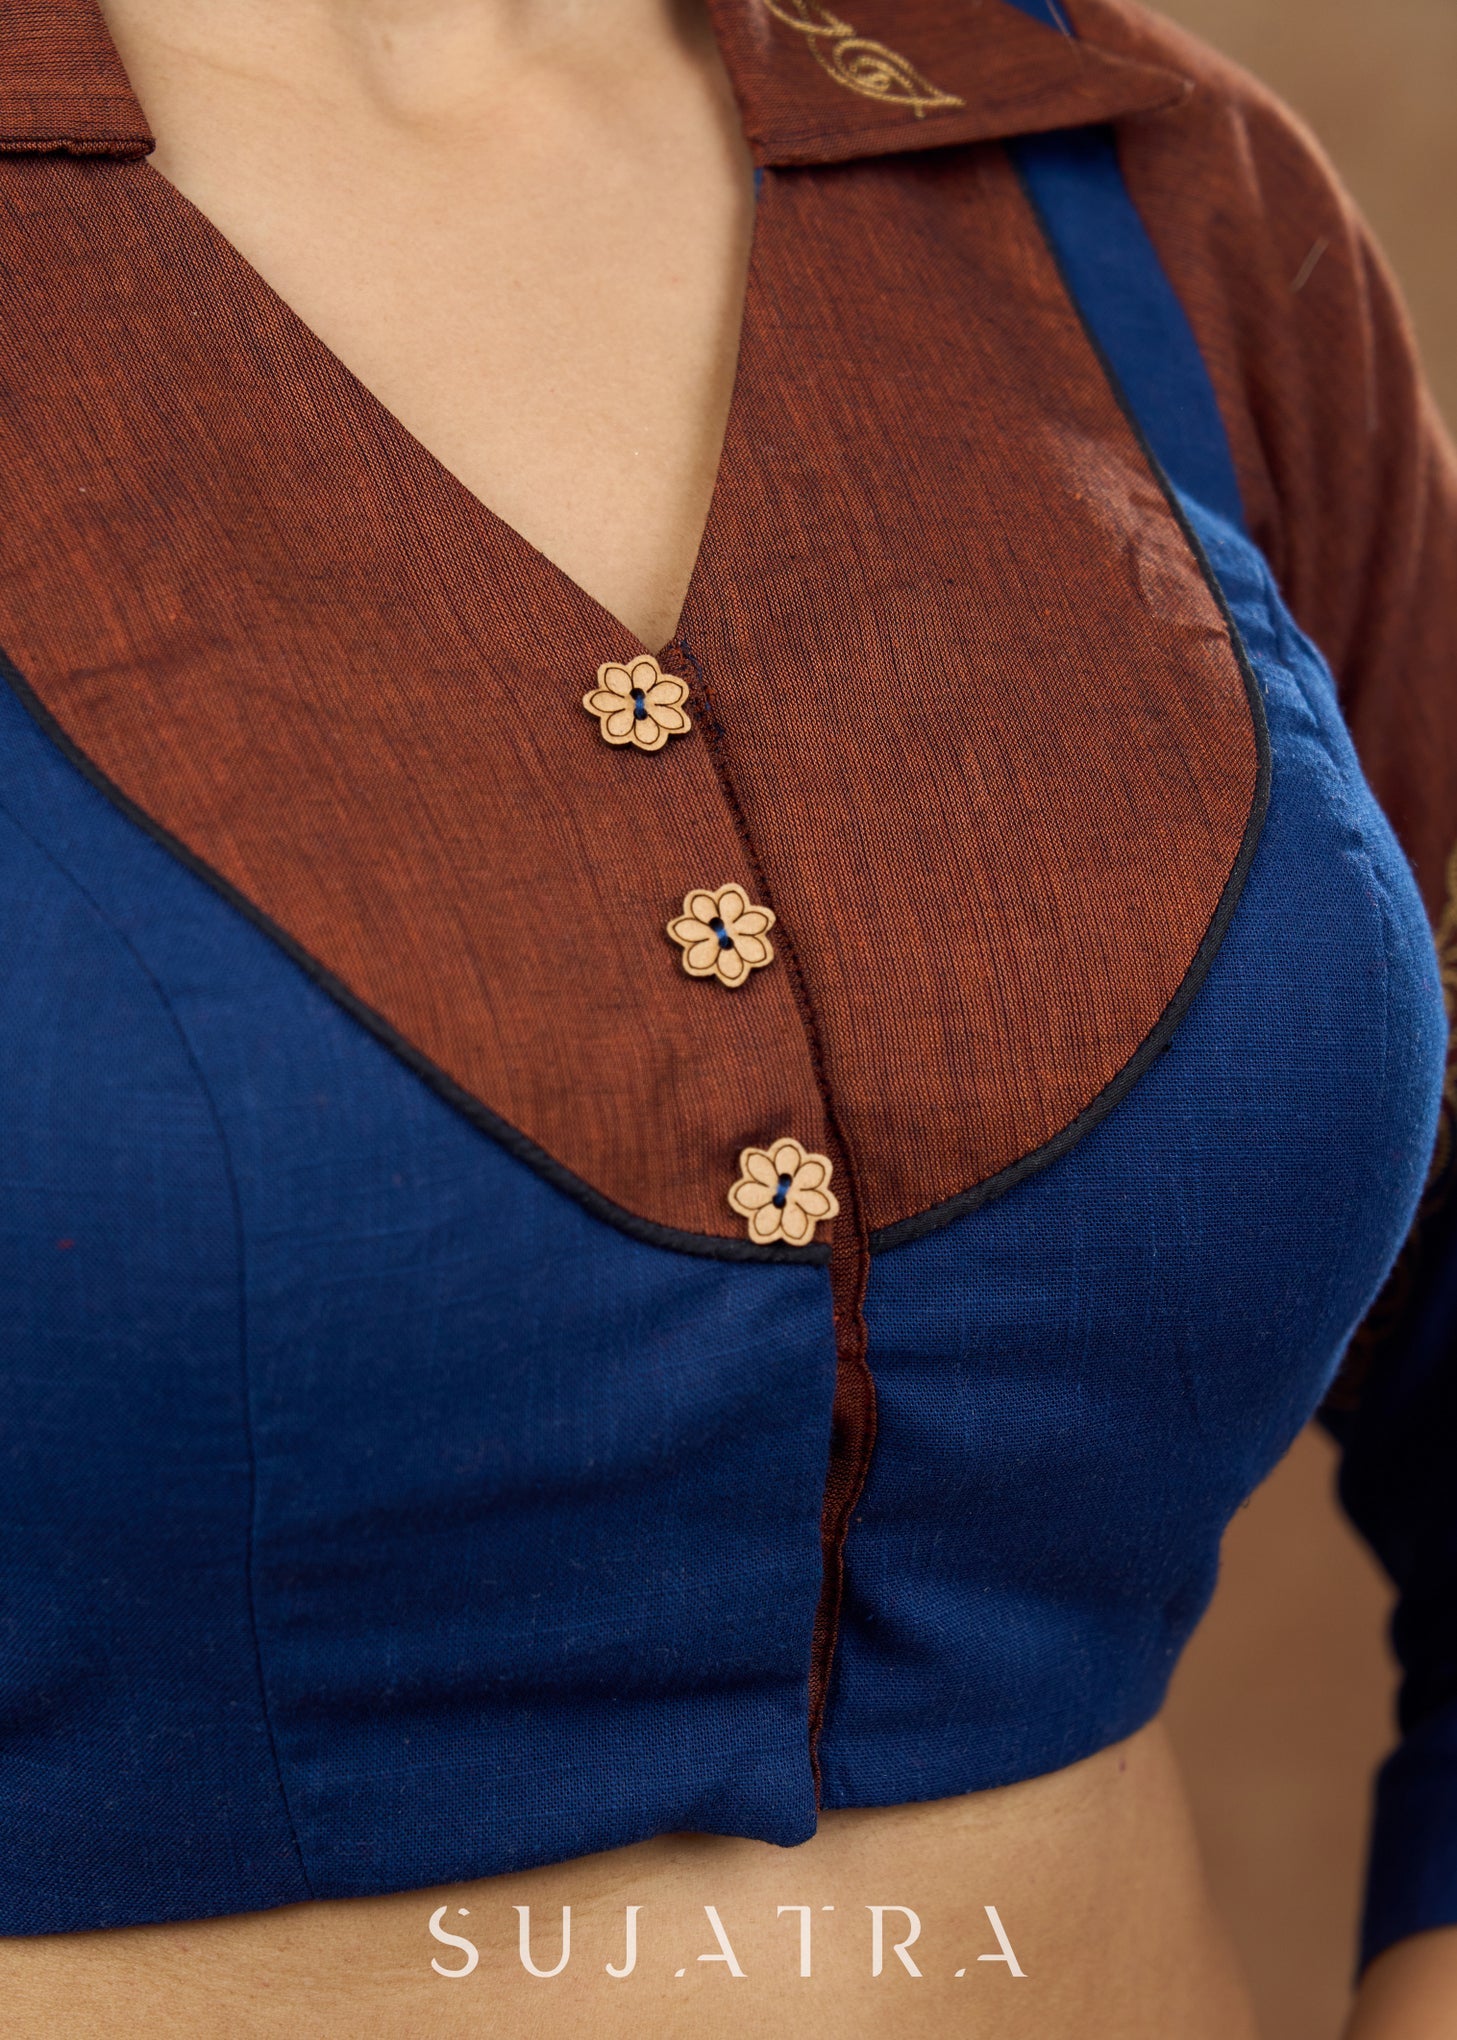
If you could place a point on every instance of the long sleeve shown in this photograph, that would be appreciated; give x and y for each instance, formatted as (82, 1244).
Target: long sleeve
(1349, 487)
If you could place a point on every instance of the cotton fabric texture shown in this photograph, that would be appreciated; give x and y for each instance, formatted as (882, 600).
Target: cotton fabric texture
(420, 1470)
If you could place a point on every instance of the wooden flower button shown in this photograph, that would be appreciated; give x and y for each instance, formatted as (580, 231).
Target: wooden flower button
(723, 935)
(783, 1191)
(638, 703)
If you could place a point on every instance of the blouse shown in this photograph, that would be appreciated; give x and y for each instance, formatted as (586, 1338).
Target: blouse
(598, 1241)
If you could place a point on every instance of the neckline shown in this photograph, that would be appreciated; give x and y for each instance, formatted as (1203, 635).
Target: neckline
(618, 638)
(810, 87)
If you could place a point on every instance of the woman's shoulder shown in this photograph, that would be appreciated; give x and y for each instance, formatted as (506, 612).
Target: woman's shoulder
(1348, 478)
(1235, 187)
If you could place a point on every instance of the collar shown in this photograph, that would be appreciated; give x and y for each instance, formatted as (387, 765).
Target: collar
(62, 87)
(812, 86)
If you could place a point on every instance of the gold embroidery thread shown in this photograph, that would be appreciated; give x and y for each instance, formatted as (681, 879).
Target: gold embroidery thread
(858, 63)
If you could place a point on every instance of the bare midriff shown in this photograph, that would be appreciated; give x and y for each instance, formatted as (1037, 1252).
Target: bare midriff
(1092, 1874)
(416, 180)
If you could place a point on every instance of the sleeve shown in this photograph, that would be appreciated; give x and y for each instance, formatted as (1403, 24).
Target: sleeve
(1350, 489)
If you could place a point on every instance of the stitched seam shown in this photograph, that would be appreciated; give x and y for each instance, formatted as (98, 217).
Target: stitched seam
(1162, 1032)
(1369, 1357)
(117, 149)
(239, 1237)
(930, 126)
(22, 88)
(854, 1393)
(708, 1246)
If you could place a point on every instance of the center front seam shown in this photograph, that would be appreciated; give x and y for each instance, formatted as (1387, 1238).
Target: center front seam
(853, 1412)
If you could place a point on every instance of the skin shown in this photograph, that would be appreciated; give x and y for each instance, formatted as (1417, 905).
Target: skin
(1093, 1872)
(525, 226)
(1410, 1992)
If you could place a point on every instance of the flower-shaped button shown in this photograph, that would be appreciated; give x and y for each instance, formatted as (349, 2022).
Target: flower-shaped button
(638, 703)
(723, 935)
(783, 1191)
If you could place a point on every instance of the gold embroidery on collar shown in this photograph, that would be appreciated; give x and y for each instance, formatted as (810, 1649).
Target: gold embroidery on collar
(856, 62)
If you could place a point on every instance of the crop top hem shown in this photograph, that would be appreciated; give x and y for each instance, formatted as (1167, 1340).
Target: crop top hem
(1412, 1875)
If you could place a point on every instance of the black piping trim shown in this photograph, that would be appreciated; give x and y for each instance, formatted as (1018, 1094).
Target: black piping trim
(1161, 1034)
(705, 1246)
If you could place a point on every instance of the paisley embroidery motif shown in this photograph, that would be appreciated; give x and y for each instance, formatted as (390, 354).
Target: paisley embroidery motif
(858, 63)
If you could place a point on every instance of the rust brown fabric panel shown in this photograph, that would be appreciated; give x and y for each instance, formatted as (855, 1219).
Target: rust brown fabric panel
(982, 716)
(296, 643)
(62, 85)
(819, 84)
(990, 733)
(1349, 480)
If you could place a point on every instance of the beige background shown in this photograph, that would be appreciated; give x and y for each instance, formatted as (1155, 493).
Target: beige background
(1282, 1707)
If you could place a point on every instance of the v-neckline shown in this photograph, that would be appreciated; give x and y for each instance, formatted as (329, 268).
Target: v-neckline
(617, 635)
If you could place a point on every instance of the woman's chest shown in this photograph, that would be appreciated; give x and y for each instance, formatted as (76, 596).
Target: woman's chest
(958, 703)
(372, 1250)
(334, 1375)
(971, 712)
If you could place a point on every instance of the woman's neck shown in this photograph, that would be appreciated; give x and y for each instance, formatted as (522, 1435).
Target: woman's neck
(523, 225)
(416, 60)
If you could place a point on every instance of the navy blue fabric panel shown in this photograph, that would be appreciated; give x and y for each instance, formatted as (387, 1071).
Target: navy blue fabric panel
(1399, 1449)
(1399, 1452)
(1092, 1373)
(374, 1515)
(1413, 1881)
(1043, 10)
(1116, 277)
(134, 1746)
